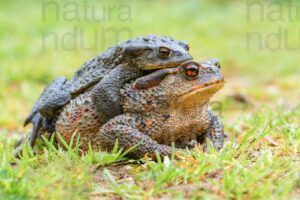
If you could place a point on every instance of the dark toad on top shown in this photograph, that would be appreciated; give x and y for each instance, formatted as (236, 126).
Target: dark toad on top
(104, 76)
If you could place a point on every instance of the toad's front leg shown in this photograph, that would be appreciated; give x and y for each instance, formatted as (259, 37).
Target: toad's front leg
(124, 128)
(106, 94)
(215, 132)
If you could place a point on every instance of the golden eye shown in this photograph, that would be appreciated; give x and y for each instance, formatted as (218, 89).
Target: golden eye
(187, 47)
(192, 70)
(217, 65)
(164, 52)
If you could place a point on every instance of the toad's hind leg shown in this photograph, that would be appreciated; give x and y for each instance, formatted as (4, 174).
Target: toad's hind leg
(40, 126)
(45, 109)
(124, 128)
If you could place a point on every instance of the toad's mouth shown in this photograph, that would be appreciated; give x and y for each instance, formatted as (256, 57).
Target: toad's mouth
(147, 72)
(149, 68)
(208, 88)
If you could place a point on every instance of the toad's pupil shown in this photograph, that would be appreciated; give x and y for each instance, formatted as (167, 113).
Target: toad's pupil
(164, 52)
(192, 70)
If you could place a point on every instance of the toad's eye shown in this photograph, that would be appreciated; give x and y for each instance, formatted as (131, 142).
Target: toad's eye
(187, 47)
(218, 65)
(163, 52)
(192, 70)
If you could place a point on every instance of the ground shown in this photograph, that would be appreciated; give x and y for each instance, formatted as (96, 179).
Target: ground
(41, 40)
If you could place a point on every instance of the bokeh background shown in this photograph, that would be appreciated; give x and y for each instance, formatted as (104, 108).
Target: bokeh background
(257, 43)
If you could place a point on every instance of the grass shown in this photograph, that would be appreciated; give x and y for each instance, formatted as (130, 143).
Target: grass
(260, 159)
(260, 163)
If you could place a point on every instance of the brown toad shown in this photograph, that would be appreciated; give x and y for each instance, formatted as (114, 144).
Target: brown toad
(169, 105)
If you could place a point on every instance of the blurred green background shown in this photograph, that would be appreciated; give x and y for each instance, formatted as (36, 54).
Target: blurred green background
(41, 40)
(258, 45)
